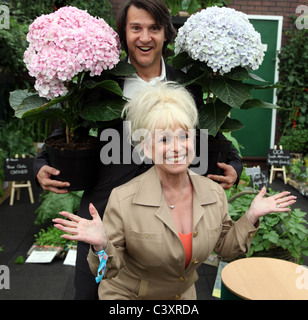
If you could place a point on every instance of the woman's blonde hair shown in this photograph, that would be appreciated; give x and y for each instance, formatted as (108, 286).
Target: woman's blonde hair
(163, 106)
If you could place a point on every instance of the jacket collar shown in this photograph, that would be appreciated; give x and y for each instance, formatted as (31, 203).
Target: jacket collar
(150, 192)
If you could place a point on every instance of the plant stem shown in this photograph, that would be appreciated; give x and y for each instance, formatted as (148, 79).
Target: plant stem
(67, 133)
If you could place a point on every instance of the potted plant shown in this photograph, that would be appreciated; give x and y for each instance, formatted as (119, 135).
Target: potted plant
(52, 204)
(297, 176)
(71, 54)
(50, 240)
(296, 141)
(219, 47)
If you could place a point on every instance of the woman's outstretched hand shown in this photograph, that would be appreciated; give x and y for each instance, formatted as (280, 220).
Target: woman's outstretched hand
(80, 229)
(261, 206)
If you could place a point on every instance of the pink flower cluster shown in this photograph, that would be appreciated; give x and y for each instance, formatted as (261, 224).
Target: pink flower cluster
(65, 43)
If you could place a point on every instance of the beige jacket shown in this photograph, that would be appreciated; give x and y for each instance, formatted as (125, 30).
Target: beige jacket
(146, 256)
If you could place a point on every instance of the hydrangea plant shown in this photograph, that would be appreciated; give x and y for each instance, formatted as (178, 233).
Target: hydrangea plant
(67, 48)
(219, 47)
(65, 43)
(223, 38)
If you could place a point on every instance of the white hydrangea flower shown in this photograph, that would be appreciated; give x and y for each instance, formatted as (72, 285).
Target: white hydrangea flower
(223, 38)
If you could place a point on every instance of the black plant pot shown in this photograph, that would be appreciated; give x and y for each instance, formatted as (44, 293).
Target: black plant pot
(78, 167)
(218, 150)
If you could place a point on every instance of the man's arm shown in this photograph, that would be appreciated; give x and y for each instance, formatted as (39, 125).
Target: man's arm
(43, 172)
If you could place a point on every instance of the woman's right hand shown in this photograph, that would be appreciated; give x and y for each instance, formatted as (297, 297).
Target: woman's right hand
(80, 229)
(44, 179)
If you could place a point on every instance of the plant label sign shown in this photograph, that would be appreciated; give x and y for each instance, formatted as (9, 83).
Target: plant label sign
(18, 169)
(253, 171)
(258, 177)
(261, 180)
(278, 157)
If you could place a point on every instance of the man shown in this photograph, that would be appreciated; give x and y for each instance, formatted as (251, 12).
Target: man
(145, 30)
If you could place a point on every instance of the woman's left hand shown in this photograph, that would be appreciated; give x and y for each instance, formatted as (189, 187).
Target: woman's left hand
(261, 205)
(80, 229)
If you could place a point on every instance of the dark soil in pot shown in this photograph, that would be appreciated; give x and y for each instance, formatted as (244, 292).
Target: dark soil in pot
(218, 152)
(78, 162)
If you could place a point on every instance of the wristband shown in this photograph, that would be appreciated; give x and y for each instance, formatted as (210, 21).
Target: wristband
(102, 265)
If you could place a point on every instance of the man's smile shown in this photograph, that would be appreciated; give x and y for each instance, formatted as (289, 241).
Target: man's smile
(144, 48)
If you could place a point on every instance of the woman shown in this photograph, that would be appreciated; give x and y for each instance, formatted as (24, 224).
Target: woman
(159, 227)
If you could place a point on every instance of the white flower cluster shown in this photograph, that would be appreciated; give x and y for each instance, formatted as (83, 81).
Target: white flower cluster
(223, 38)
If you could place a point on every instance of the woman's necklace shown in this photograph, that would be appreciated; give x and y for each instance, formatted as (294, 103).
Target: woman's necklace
(172, 205)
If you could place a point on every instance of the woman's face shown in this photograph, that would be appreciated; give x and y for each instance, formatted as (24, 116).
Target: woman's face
(171, 150)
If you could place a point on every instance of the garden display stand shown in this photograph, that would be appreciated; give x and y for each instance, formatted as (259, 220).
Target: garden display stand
(275, 169)
(16, 185)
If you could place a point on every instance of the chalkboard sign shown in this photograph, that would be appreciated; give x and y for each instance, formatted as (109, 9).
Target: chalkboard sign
(258, 177)
(278, 157)
(18, 169)
(261, 180)
(252, 171)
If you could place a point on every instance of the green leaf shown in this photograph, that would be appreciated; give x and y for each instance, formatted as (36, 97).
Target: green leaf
(106, 110)
(268, 86)
(233, 93)
(109, 85)
(31, 105)
(19, 260)
(17, 97)
(212, 116)
(23, 100)
(238, 74)
(231, 125)
(53, 203)
(123, 69)
(181, 60)
(256, 103)
(257, 78)
(193, 7)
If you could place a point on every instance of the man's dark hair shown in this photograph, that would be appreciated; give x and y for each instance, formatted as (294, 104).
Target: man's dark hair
(158, 10)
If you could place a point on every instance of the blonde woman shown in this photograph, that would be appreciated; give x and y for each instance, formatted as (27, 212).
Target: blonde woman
(159, 227)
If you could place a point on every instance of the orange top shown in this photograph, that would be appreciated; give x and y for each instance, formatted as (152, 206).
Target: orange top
(187, 244)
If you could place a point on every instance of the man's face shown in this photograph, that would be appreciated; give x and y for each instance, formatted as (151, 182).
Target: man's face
(145, 41)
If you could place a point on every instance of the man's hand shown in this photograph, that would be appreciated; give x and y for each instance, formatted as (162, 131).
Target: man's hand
(44, 178)
(229, 177)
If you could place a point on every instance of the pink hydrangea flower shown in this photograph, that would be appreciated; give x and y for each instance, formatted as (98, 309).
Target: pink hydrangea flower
(65, 43)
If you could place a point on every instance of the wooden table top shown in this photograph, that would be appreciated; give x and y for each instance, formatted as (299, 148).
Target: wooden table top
(266, 279)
